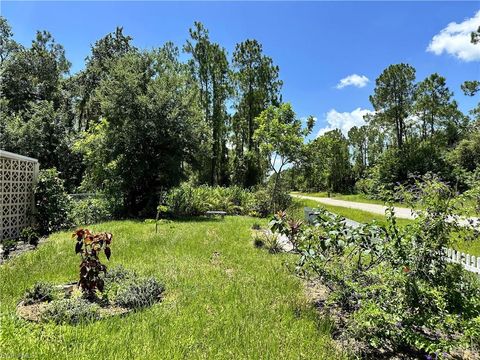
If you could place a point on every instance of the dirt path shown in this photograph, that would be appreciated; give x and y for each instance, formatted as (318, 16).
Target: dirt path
(402, 213)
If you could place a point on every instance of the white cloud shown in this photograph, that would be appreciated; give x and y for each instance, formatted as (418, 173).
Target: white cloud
(344, 120)
(353, 80)
(455, 40)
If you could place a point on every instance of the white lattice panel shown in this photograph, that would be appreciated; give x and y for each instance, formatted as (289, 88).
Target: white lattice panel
(18, 175)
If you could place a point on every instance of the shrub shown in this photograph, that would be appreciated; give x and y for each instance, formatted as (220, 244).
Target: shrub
(365, 186)
(258, 241)
(29, 236)
(118, 274)
(71, 311)
(8, 246)
(256, 226)
(263, 203)
(393, 285)
(52, 202)
(187, 200)
(40, 292)
(136, 294)
(89, 211)
(89, 246)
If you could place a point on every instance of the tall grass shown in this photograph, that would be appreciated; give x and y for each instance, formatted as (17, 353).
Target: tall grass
(224, 299)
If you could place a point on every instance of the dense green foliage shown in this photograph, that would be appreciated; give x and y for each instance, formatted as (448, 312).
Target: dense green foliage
(90, 210)
(393, 285)
(189, 200)
(39, 292)
(51, 202)
(140, 121)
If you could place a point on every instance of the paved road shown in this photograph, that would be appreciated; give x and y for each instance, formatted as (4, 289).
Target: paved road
(400, 212)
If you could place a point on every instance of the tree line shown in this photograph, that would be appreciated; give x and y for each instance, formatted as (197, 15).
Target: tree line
(134, 122)
(415, 128)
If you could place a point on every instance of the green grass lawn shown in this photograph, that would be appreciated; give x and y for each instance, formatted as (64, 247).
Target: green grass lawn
(471, 247)
(361, 198)
(353, 214)
(224, 299)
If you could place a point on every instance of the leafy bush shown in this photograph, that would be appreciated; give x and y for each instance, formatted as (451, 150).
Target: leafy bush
(52, 202)
(40, 292)
(118, 274)
(71, 311)
(365, 186)
(187, 200)
(8, 246)
(89, 246)
(393, 286)
(89, 211)
(263, 203)
(29, 236)
(268, 201)
(136, 294)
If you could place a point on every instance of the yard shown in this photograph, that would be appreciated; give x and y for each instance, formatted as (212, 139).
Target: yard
(224, 298)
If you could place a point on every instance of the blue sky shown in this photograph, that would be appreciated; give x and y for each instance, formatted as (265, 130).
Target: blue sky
(316, 44)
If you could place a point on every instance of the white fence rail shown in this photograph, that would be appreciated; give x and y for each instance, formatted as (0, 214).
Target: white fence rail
(469, 262)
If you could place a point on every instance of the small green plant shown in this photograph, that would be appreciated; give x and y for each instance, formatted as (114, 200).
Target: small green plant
(118, 274)
(40, 292)
(71, 311)
(278, 224)
(258, 241)
(271, 242)
(162, 210)
(136, 294)
(89, 247)
(8, 246)
(291, 228)
(256, 226)
(29, 236)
